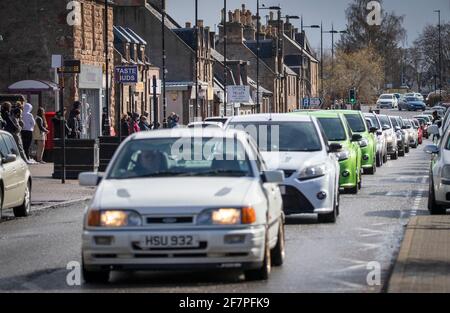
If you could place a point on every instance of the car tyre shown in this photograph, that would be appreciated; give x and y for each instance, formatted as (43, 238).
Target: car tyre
(385, 158)
(371, 171)
(432, 206)
(379, 161)
(24, 209)
(95, 277)
(401, 153)
(328, 218)
(407, 149)
(395, 155)
(278, 253)
(263, 272)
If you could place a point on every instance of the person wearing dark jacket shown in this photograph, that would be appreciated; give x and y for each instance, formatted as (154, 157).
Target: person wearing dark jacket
(74, 124)
(16, 117)
(9, 126)
(57, 121)
(143, 125)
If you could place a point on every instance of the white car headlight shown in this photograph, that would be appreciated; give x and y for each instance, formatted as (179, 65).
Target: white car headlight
(343, 155)
(313, 172)
(363, 143)
(445, 172)
(113, 218)
(227, 216)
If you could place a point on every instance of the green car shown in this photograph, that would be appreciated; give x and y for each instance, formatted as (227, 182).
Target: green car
(368, 144)
(337, 130)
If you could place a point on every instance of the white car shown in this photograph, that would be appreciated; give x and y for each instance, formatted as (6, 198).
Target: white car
(390, 136)
(184, 199)
(297, 145)
(439, 187)
(15, 178)
(415, 95)
(382, 151)
(387, 101)
(205, 125)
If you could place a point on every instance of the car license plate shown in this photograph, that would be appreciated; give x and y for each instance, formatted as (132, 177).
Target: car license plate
(169, 241)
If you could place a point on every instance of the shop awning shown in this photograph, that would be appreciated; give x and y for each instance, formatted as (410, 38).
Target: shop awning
(33, 86)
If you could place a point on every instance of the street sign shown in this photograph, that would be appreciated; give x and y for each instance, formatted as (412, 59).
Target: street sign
(70, 67)
(238, 94)
(56, 61)
(312, 103)
(127, 74)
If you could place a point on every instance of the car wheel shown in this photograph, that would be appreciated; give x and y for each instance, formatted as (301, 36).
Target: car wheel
(407, 149)
(95, 277)
(25, 208)
(379, 160)
(263, 272)
(338, 205)
(279, 252)
(385, 158)
(395, 155)
(401, 153)
(371, 171)
(328, 218)
(359, 185)
(432, 206)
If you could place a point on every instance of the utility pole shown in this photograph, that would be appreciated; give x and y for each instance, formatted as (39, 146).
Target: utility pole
(163, 24)
(440, 54)
(196, 61)
(225, 72)
(258, 27)
(106, 126)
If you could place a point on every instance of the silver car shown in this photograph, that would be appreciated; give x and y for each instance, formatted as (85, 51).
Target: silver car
(382, 150)
(184, 199)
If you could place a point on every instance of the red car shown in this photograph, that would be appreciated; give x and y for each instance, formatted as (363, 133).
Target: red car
(419, 129)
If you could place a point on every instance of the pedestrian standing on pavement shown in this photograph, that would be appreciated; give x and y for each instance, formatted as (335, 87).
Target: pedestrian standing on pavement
(40, 134)
(173, 120)
(125, 126)
(134, 124)
(74, 124)
(27, 130)
(16, 117)
(143, 125)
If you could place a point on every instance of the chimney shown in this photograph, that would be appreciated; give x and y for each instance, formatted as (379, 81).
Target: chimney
(237, 16)
(212, 39)
(200, 23)
(188, 25)
(230, 16)
(271, 16)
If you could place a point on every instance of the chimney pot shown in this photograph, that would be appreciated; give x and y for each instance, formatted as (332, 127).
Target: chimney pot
(200, 23)
(188, 25)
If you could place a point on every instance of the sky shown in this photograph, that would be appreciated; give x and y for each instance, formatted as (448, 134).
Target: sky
(417, 13)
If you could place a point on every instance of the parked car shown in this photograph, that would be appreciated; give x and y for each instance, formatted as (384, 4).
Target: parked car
(387, 101)
(423, 124)
(338, 131)
(417, 95)
(439, 181)
(418, 128)
(296, 145)
(413, 140)
(368, 145)
(390, 136)
(161, 205)
(217, 119)
(400, 134)
(15, 178)
(382, 154)
(407, 133)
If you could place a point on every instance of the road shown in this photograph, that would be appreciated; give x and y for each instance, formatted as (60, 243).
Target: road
(35, 251)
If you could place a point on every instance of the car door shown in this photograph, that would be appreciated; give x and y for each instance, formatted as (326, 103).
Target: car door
(272, 191)
(8, 175)
(18, 169)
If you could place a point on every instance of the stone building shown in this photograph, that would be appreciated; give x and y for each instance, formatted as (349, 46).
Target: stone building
(130, 50)
(33, 31)
(144, 17)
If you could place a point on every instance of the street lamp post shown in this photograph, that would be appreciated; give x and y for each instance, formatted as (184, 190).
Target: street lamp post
(105, 127)
(225, 72)
(196, 60)
(440, 54)
(258, 31)
(163, 23)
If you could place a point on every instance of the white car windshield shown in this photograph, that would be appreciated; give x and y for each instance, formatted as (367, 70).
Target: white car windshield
(386, 97)
(282, 136)
(167, 157)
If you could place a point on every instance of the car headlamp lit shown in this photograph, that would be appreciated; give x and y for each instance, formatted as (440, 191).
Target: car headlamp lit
(114, 218)
(343, 155)
(227, 216)
(445, 172)
(313, 172)
(363, 143)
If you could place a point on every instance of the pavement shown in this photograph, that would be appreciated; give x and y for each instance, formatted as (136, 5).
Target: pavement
(50, 193)
(423, 264)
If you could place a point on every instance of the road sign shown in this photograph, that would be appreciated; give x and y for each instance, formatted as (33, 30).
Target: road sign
(238, 94)
(70, 67)
(312, 103)
(127, 74)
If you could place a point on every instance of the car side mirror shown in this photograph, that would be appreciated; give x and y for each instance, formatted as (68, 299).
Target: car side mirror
(9, 158)
(89, 179)
(373, 130)
(335, 147)
(379, 133)
(356, 137)
(431, 149)
(397, 128)
(273, 177)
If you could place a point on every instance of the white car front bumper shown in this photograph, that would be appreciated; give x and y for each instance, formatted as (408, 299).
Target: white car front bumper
(126, 253)
(304, 196)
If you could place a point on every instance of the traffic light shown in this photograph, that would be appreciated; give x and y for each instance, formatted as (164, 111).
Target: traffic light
(352, 96)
